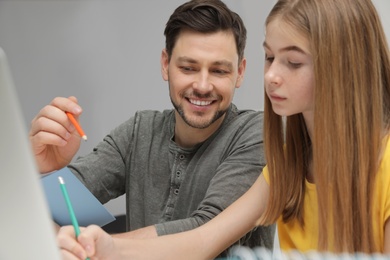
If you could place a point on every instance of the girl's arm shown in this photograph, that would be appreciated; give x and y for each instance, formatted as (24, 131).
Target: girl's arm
(205, 242)
(236, 220)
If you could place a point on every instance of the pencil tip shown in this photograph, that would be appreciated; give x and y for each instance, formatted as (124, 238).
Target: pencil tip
(84, 137)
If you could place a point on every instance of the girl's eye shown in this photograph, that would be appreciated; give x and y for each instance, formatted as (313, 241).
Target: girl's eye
(295, 65)
(269, 58)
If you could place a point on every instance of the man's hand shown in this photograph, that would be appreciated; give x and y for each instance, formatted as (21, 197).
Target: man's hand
(53, 137)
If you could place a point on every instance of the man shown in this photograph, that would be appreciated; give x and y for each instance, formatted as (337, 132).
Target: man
(178, 168)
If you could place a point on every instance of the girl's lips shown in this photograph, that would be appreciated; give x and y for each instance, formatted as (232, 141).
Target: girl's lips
(277, 98)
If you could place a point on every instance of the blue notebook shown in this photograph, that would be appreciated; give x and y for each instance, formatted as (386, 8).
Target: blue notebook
(87, 208)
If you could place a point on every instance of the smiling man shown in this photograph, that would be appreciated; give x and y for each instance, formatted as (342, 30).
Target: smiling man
(179, 168)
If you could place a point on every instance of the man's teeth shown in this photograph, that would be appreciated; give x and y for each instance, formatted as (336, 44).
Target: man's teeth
(200, 103)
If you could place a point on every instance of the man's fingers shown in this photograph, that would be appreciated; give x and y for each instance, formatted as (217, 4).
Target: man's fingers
(67, 104)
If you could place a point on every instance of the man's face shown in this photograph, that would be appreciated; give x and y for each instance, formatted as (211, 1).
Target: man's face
(202, 74)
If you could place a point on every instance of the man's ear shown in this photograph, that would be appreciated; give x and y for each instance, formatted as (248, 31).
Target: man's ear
(241, 72)
(164, 64)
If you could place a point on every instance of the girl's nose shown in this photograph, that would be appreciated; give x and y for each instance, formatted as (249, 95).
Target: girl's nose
(272, 76)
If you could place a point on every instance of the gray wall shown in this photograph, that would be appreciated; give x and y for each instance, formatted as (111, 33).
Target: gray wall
(107, 52)
(383, 7)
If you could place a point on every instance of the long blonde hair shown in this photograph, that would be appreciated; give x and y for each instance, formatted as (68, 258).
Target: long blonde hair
(351, 117)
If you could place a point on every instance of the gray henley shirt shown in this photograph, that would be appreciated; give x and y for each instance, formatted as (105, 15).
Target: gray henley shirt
(173, 188)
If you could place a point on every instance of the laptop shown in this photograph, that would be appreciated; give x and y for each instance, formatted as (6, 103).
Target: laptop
(26, 228)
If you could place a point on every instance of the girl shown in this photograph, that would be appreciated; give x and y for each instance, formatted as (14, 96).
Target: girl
(327, 106)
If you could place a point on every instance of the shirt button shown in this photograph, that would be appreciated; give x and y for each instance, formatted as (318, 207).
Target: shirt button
(182, 156)
(176, 191)
(178, 174)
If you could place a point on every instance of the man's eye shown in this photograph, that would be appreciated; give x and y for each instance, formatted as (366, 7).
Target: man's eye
(186, 68)
(222, 72)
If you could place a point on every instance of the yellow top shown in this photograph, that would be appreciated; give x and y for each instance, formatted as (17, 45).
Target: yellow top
(293, 237)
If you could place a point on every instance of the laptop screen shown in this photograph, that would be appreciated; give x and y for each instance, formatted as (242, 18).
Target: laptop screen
(26, 228)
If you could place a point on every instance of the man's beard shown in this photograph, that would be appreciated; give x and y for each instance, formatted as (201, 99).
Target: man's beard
(200, 124)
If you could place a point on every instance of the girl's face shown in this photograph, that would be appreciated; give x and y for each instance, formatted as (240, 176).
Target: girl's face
(288, 70)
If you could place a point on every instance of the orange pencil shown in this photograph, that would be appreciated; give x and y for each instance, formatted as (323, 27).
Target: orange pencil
(76, 124)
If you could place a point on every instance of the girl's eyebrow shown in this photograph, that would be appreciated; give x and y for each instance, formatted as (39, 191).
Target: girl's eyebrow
(287, 48)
